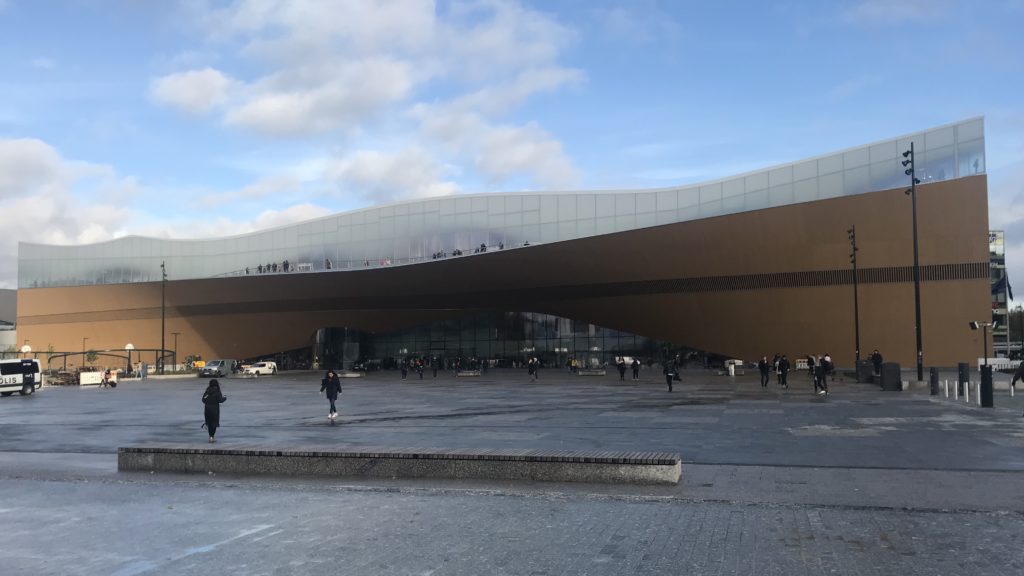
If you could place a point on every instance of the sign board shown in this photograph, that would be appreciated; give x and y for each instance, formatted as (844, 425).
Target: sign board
(90, 378)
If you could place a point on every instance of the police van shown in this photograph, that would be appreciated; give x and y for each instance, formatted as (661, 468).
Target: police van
(20, 375)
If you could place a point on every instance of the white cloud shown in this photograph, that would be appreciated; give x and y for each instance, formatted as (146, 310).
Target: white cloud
(854, 86)
(44, 200)
(311, 99)
(638, 25)
(487, 40)
(43, 63)
(893, 13)
(383, 177)
(500, 151)
(346, 68)
(258, 190)
(195, 91)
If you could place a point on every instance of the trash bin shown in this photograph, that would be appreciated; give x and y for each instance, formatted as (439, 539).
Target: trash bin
(963, 376)
(892, 378)
(986, 387)
(933, 381)
(865, 371)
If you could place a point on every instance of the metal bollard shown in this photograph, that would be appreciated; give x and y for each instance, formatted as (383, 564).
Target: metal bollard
(947, 388)
(967, 392)
(956, 389)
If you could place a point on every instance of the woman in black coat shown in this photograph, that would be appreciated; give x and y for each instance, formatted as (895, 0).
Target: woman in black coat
(213, 398)
(332, 385)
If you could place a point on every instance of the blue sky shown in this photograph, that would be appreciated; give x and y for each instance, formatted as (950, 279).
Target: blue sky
(195, 118)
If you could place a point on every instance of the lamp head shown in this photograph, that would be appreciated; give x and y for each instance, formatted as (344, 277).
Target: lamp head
(908, 171)
(905, 162)
(906, 154)
(974, 325)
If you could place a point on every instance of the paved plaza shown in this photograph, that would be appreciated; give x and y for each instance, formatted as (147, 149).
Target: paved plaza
(774, 481)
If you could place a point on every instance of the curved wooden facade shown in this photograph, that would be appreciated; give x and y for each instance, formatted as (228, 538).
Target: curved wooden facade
(742, 285)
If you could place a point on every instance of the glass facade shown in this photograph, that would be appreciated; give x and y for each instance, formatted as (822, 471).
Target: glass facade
(1000, 292)
(502, 339)
(420, 230)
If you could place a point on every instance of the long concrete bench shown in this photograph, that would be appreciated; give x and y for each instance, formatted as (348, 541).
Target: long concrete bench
(505, 464)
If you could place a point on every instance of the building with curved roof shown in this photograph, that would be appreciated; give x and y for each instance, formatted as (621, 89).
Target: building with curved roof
(743, 266)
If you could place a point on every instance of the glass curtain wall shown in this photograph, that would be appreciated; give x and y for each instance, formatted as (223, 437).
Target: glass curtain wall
(497, 339)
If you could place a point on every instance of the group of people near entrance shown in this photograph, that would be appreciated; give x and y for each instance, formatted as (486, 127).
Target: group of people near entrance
(820, 368)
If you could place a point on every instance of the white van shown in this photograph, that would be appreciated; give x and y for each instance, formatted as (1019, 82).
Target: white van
(20, 375)
(264, 367)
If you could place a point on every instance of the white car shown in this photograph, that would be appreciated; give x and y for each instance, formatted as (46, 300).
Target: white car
(259, 368)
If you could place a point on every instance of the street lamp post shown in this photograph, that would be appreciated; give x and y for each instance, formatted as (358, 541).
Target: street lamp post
(175, 358)
(911, 171)
(984, 339)
(128, 348)
(163, 291)
(1020, 317)
(852, 234)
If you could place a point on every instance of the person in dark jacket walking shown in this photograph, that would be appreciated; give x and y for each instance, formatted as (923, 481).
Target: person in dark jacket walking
(636, 368)
(876, 361)
(1018, 375)
(332, 385)
(821, 376)
(621, 365)
(764, 367)
(670, 373)
(212, 399)
(784, 370)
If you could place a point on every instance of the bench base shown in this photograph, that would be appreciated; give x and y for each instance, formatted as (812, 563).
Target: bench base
(528, 465)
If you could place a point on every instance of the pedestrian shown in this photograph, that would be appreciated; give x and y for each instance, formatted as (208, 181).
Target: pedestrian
(531, 369)
(669, 373)
(331, 384)
(212, 399)
(762, 366)
(821, 377)
(536, 368)
(775, 368)
(433, 365)
(105, 383)
(621, 365)
(404, 367)
(636, 369)
(1018, 375)
(876, 361)
(784, 370)
(419, 368)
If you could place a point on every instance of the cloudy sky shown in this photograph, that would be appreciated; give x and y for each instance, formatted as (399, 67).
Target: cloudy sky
(195, 118)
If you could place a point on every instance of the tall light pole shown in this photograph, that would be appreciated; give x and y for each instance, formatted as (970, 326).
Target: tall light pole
(175, 360)
(1020, 318)
(909, 161)
(128, 348)
(852, 235)
(163, 290)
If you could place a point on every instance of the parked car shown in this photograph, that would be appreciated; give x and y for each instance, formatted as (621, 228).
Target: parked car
(216, 368)
(258, 368)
